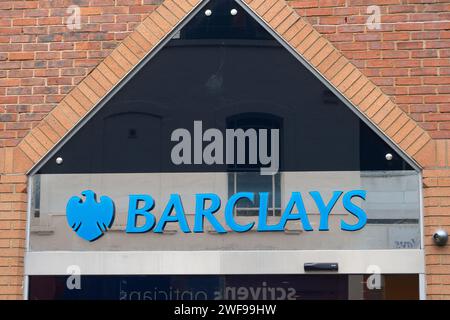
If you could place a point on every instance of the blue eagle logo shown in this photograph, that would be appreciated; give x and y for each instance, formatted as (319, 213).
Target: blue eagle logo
(89, 218)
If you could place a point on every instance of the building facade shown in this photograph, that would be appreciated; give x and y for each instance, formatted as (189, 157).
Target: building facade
(93, 93)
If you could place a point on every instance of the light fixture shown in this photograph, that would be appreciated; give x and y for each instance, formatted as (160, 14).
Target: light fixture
(440, 237)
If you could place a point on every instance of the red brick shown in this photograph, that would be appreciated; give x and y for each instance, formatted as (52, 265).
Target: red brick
(21, 56)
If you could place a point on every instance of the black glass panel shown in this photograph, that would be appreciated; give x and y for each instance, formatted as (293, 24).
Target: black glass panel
(224, 287)
(223, 67)
(221, 24)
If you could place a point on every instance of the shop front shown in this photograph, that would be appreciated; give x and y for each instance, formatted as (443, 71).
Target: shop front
(224, 166)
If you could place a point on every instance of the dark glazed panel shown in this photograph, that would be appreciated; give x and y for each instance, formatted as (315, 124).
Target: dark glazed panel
(220, 67)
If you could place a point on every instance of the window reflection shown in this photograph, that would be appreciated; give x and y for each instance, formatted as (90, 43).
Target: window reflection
(248, 177)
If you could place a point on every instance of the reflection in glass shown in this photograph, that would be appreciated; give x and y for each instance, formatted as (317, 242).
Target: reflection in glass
(228, 287)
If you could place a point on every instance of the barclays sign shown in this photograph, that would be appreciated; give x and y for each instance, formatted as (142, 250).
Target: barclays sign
(90, 218)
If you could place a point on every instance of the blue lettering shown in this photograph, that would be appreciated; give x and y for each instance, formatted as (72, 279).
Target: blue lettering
(201, 212)
(355, 210)
(229, 208)
(140, 206)
(262, 219)
(295, 200)
(174, 204)
(134, 211)
(325, 210)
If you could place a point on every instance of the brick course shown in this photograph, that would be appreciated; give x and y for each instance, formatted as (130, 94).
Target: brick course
(50, 77)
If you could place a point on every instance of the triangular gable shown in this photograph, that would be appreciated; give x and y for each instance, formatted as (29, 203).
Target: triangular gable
(282, 21)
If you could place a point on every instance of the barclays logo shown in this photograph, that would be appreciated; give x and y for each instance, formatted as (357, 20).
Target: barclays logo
(90, 219)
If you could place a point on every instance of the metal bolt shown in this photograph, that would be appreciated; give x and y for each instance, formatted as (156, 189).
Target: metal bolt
(233, 12)
(208, 12)
(389, 156)
(59, 160)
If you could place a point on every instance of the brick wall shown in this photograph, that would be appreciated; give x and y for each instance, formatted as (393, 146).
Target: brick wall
(41, 61)
(437, 215)
(13, 206)
(408, 57)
